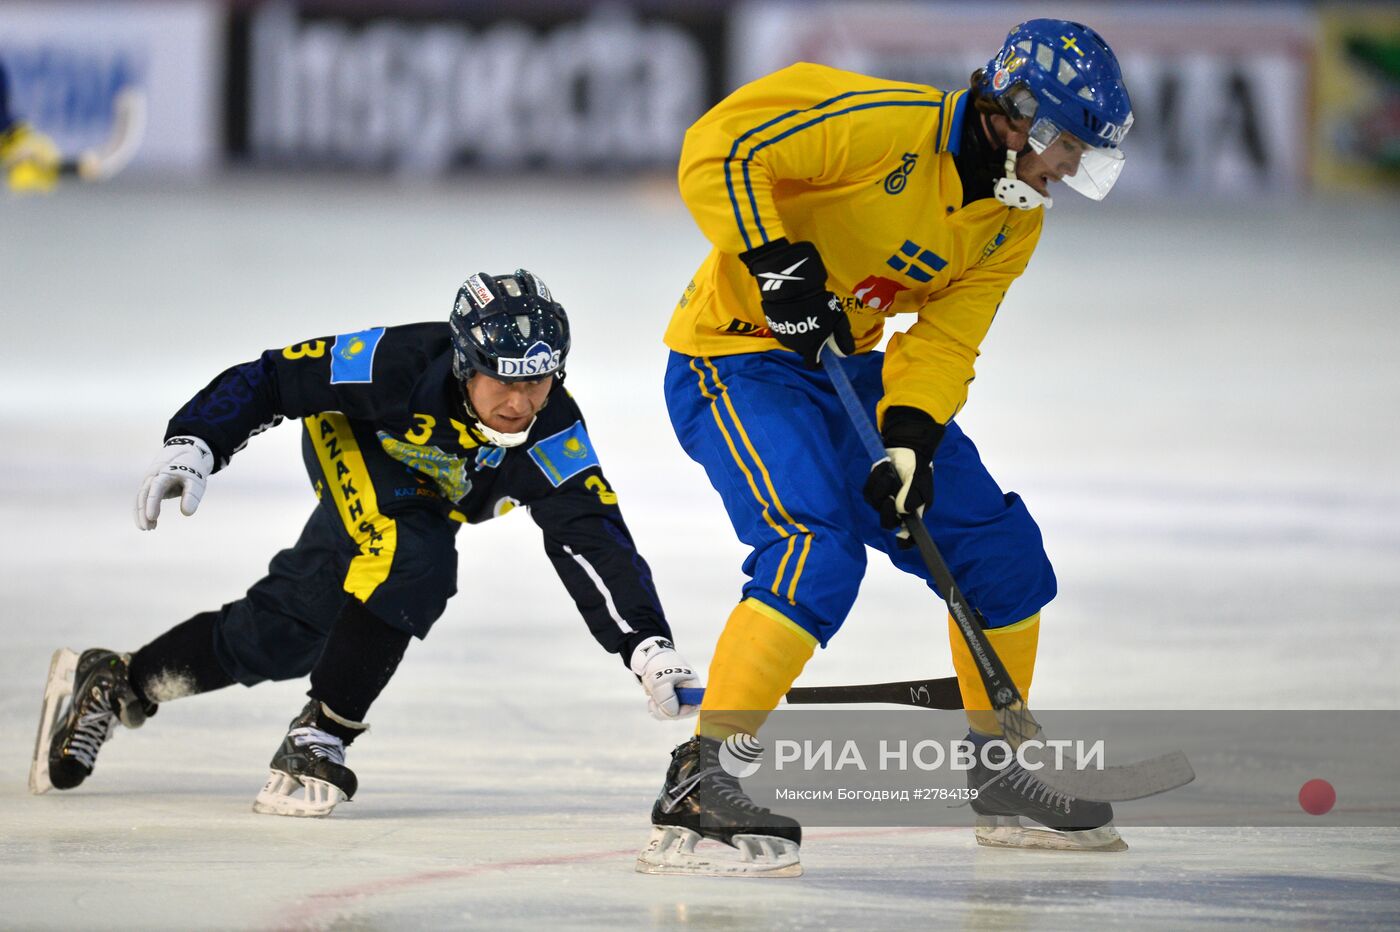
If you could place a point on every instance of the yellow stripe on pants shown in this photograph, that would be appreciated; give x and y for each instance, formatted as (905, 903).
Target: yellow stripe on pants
(799, 529)
(349, 484)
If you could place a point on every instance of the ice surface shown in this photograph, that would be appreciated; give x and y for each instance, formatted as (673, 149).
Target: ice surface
(1198, 403)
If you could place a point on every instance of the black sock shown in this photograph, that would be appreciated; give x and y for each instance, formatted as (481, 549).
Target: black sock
(360, 656)
(181, 662)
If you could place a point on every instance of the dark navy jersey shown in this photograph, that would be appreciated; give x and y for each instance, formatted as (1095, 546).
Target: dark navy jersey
(5, 118)
(395, 387)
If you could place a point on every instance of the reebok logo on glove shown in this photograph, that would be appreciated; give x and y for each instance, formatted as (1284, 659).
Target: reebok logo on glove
(792, 327)
(804, 315)
(795, 327)
(772, 281)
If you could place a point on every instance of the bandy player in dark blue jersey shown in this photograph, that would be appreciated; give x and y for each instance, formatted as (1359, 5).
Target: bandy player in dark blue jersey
(410, 432)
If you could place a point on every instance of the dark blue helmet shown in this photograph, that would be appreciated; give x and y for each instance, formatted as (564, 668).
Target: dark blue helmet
(509, 327)
(1065, 78)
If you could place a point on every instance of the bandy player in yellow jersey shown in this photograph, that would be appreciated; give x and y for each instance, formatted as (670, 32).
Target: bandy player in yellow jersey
(29, 160)
(835, 201)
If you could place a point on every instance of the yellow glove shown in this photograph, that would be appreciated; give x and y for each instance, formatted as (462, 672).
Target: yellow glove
(29, 159)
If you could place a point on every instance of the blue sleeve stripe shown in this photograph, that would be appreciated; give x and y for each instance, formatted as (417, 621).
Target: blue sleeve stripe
(5, 120)
(954, 139)
(753, 204)
(734, 150)
(798, 129)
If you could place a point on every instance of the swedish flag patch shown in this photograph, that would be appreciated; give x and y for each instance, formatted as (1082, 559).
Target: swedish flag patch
(565, 454)
(352, 357)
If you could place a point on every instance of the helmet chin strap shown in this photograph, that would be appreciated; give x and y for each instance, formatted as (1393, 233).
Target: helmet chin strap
(1013, 192)
(502, 439)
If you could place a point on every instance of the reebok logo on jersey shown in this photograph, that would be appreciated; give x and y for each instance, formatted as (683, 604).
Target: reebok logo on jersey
(772, 281)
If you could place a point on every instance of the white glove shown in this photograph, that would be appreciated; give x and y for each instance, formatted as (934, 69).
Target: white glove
(661, 670)
(181, 470)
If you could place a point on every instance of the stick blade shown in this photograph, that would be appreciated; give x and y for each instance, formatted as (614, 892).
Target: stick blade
(1123, 782)
(128, 129)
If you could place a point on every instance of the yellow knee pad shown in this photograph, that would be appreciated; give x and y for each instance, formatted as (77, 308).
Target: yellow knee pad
(1016, 646)
(759, 655)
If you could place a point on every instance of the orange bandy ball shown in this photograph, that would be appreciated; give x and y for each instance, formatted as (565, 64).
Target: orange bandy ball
(1317, 797)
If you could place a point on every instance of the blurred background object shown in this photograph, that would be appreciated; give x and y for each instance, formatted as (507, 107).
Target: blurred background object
(67, 62)
(1357, 142)
(1232, 98)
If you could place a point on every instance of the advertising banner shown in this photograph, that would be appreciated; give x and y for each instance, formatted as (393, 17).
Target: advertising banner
(1221, 91)
(603, 88)
(1357, 144)
(68, 61)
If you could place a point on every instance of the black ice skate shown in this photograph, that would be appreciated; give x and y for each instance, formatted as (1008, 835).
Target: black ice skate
(1006, 794)
(309, 777)
(99, 695)
(701, 800)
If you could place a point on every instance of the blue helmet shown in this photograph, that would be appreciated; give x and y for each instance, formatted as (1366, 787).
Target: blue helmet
(1064, 78)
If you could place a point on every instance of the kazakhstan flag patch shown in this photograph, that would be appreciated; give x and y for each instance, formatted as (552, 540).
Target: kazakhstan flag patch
(565, 454)
(352, 357)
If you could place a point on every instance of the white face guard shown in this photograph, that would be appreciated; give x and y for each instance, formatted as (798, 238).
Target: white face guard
(1089, 170)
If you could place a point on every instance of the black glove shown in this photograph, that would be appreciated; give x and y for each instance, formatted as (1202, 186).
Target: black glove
(798, 308)
(903, 484)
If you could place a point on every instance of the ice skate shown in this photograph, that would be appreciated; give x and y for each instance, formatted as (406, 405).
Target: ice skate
(308, 776)
(99, 695)
(1008, 794)
(701, 801)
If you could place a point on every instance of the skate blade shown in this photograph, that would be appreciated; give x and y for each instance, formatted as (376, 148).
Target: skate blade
(1008, 832)
(285, 795)
(59, 687)
(671, 850)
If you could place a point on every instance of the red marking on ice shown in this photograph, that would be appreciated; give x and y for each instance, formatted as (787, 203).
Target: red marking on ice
(314, 910)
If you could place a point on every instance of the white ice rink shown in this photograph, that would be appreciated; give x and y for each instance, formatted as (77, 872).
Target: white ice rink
(1198, 403)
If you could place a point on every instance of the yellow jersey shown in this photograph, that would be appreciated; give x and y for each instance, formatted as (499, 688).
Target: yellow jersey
(862, 168)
